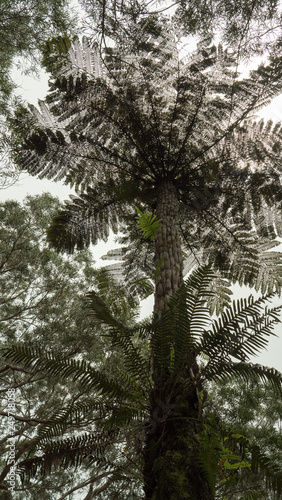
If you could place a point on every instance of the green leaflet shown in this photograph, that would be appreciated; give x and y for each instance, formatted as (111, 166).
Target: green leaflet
(147, 224)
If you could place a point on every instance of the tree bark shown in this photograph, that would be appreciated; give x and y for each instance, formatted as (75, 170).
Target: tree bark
(168, 254)
(172, 468)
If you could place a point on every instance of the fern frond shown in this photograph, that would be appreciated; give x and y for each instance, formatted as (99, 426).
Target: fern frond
(72, 415)
(246, 371)
(120, 336)
(55, 365)
(133, 268)
(241, 331)
(85, 220)
(101, 312)
(184, 322)
(70, 452)
(64, 58)
(147, 224)
(251, 495)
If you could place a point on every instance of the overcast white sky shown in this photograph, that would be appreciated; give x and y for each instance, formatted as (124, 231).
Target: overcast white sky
(32, 90)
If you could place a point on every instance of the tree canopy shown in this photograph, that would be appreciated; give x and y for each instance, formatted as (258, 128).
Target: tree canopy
(250, 29)
(25, 26)
(119, 125)
(42, 304)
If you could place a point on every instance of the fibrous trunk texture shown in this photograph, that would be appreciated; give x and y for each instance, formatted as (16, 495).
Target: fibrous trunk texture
(172, 460)
(168, 255)
(172, 467)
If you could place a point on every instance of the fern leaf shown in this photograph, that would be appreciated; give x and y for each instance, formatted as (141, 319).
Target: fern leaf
(246, 371)
(241, 331)
(70, 452)
(55, 366)
(147, 224)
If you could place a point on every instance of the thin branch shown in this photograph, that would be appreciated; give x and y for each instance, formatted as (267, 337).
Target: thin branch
(15, 368)
(24, 419)
(91, 480)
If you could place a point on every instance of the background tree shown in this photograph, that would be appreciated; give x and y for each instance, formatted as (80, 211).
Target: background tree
(250, 29)
(42, 303)
(138, 126)
(31, 275)
(25, 26)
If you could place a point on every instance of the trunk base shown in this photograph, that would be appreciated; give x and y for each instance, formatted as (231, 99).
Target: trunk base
(173, 470)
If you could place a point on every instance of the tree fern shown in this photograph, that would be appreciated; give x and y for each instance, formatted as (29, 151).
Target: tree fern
(138, 126)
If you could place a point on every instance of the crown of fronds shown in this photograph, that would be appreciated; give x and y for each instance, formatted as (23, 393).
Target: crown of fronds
(117, 122)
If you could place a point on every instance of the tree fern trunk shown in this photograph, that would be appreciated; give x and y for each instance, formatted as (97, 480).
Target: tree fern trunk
(172, 466)
(168, 254)
(172, 469)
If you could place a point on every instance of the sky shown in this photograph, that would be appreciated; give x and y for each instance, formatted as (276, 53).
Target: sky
(32, 89)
